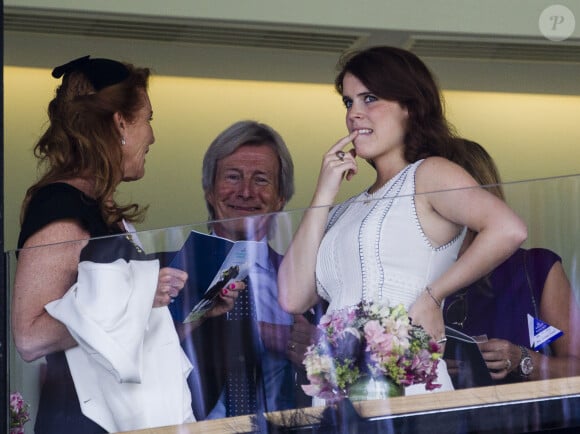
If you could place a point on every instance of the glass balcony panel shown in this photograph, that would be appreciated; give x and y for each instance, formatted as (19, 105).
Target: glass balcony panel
(551, 210)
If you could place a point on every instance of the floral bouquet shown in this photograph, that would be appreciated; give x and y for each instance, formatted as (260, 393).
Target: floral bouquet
(369, 341)
(19, 414)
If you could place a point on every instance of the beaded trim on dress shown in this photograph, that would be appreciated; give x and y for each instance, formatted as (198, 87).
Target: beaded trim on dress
(391, 189)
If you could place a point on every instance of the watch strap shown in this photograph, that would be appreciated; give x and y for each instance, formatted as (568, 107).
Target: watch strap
(525, 367)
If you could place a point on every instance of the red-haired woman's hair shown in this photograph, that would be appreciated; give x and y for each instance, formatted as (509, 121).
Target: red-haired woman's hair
(83, 141)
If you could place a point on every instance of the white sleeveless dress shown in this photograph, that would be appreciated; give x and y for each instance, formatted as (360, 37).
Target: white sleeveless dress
(374, 249)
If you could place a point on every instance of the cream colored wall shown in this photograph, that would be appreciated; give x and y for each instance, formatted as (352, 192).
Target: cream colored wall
(492, 17)
(530, 136)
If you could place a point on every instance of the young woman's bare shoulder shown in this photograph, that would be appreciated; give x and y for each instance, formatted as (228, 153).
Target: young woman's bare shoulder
(438, 173)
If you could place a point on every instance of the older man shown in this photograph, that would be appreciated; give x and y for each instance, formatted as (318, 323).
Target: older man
(245, 357)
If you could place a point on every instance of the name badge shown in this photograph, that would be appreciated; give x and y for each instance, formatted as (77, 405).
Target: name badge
(541, 333)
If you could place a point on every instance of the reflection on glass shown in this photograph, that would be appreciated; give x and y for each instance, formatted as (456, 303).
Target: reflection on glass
(552, 213)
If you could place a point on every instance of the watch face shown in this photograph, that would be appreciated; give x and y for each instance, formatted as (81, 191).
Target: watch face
(526, 366)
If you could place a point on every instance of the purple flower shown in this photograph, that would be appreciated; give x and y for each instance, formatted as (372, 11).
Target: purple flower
(348, 345)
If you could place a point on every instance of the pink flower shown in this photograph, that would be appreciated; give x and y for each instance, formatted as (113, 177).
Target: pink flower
(369, 339)
(18, 412)
(16, 401)
(377, 340)
(321, 389)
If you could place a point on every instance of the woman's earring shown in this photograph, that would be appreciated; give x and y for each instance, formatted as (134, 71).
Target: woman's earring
(123, 140)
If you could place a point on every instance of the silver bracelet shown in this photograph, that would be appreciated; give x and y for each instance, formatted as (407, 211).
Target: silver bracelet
(437, 302)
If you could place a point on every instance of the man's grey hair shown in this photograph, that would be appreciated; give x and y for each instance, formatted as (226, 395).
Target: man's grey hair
(247, 133)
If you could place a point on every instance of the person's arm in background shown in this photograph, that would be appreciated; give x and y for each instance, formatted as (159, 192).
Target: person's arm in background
(290, 342)
(558, 308)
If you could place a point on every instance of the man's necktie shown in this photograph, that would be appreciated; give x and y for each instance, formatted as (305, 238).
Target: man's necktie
(241, 377)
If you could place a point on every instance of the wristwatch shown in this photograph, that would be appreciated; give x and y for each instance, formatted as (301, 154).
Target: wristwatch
(526, 364)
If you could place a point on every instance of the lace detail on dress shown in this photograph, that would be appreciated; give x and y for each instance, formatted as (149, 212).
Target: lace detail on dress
(391, 190)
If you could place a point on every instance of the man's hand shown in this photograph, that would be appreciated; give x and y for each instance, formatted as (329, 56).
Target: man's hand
(302, 335)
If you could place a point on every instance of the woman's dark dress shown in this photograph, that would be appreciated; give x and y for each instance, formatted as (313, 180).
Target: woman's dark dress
(59, 410)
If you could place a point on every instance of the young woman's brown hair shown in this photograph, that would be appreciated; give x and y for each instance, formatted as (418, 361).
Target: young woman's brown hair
(398, 75)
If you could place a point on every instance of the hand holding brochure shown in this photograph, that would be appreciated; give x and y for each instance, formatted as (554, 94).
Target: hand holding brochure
(211, 263)
(464, 349)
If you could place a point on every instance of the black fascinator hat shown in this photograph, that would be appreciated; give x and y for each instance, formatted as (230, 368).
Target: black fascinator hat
(100, 72)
